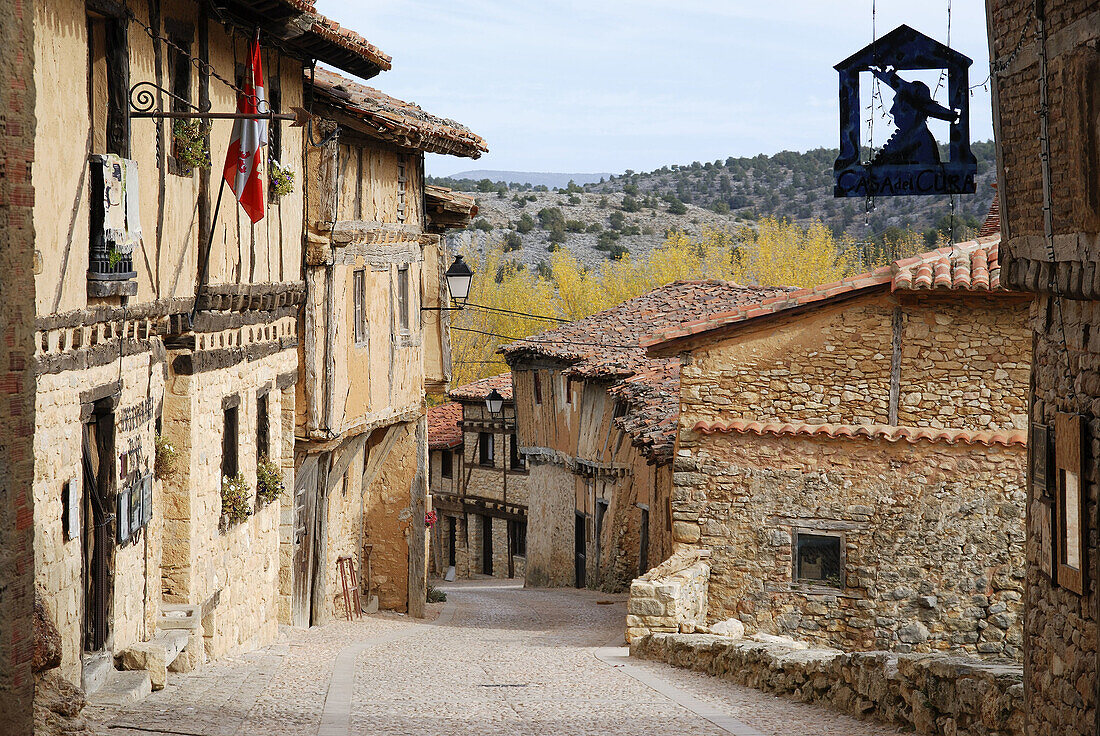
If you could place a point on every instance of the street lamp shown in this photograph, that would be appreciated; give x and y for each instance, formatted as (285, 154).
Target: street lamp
(458, 276)
(494, 402)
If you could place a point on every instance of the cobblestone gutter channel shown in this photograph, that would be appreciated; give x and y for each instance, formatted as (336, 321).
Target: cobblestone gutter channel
(929, 693)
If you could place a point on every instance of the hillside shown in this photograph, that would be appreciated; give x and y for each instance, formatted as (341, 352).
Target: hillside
(634, 211)
(534, 178)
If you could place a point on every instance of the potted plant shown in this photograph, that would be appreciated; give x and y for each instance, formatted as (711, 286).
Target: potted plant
(282, 179)
(236, 496)
(269, 481)
(167, 456)
(190, 149)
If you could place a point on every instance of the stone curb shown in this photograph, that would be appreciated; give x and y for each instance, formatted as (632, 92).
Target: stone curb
(336, 717)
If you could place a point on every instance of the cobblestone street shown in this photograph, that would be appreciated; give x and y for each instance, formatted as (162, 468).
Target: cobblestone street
(496, 660)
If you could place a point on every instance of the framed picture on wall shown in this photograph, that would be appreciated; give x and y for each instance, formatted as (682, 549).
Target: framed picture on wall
(1039, 458)
(1071, 520)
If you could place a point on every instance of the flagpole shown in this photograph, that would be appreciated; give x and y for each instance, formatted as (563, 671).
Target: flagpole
(206, 260)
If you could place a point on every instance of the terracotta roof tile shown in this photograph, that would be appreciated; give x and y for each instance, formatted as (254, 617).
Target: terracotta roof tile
(397, 121)
(870, 431)
(478, 390)
(329, 30)
(608, 345)
(992, 224)
(443, 430)
(970, 266)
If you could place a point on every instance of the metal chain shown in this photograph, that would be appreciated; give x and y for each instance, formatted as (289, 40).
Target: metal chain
(202, 66)
(997, 68)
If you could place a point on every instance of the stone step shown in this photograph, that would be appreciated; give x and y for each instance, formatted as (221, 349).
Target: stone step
(122, 688)
(95, 670)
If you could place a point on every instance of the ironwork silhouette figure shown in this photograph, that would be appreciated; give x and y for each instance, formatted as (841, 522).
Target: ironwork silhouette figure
(912, 142)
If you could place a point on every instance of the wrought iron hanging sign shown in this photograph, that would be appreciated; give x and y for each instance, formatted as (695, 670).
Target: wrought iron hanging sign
(909, 163)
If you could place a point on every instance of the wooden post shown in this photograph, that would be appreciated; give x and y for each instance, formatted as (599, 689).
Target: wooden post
(507, 457)
(418, 571)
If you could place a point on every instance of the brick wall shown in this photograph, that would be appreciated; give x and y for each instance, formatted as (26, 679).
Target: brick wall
(17, 100)
(1060, 629)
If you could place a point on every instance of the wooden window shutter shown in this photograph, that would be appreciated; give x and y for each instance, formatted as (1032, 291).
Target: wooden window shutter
(1070, 502)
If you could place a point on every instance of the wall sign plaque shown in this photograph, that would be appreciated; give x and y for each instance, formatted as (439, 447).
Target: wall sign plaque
(909, 163)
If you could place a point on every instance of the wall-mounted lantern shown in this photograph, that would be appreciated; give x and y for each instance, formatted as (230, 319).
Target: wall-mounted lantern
(459, 277)
(494, 402)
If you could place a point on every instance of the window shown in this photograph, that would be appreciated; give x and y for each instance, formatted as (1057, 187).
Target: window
(519, 538)
(446, 464)
(109, 84)
(538, 387)
(818, 559)
(568, 389)
(263, 429)
(229, 437)
(359, 292)
(402, 187)
(620, 409)
(403, 298)
(643, 544)
(485, 448)
(179, 75)
(514, 458)
(601, 510)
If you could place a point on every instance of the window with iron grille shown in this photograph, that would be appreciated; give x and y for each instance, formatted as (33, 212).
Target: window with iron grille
(819, 559)
(359, 295)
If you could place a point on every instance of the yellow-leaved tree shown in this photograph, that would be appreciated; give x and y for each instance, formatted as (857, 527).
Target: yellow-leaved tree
(782, 253)
(508, 302)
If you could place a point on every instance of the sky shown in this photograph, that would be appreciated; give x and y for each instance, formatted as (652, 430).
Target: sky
(610, 85)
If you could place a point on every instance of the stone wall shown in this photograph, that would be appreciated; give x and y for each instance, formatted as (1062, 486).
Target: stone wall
(1060, 629)
(964, 365)
(232, 572)
(58, 455)
(17, 100)
(929, 694)
(389, 523)
(550, 518)
(671, 597)
(932, 537)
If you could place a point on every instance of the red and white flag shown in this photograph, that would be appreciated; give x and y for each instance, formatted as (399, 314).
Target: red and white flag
(244, 161)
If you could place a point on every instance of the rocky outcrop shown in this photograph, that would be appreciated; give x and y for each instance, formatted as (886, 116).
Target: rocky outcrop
(57, 707)
(47, 639)
(929, 693)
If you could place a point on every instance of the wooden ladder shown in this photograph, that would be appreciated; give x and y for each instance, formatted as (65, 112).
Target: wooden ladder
(350, 583)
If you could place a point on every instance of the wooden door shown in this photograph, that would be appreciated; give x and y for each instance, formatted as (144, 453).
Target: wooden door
(487, 545)
(305, 509)
(97, 539)
(580, 546)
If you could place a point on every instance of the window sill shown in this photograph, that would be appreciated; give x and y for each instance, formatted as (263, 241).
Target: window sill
(115, 287)
(809, 589)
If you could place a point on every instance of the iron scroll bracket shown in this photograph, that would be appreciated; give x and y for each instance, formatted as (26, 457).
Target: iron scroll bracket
(143, 103)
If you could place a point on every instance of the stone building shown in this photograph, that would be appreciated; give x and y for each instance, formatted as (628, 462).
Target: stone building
(373, 340)
(1045, 86)
(163, 335)
(596, 421)
(17, 502)
(478, 484)
(852, 457)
